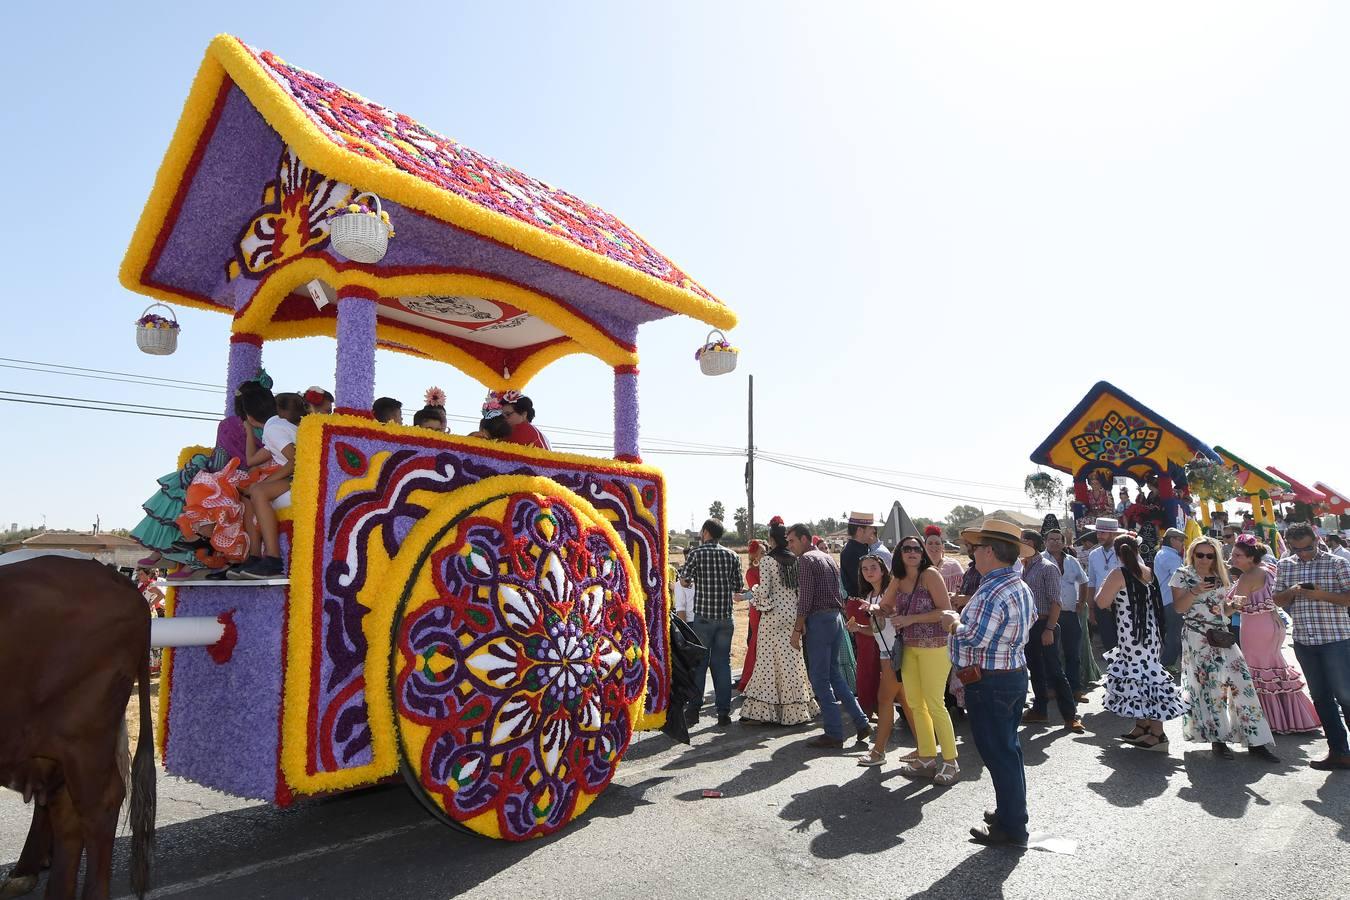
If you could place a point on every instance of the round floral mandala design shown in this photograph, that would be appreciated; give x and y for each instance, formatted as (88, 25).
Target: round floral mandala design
(521, 662)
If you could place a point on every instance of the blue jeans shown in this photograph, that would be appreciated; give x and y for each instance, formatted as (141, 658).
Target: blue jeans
(1171, 651)
(1071, 639)
(1327, 669)
(824, 635)
(716, 636)
(994, 707)
(1046, 671)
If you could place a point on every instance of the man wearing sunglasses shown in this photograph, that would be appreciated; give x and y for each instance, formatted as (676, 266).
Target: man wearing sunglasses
(1315, 586)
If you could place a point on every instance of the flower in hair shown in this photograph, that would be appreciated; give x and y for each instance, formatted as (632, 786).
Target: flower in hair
(1247, 540)
(776, 520)
(435, 397)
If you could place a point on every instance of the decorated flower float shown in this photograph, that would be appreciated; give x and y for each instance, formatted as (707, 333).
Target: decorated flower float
(1109, 434)
(488, 621)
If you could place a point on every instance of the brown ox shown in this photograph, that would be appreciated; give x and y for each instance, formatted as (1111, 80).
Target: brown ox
(74, 638)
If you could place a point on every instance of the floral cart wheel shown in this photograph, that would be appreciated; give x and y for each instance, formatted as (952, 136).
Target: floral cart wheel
(519, 661)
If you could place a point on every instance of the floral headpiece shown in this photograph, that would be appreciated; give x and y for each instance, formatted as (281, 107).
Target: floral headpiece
(492, 405)
(776, 520)
(1247, 540)
(434, 397)
(314, 395)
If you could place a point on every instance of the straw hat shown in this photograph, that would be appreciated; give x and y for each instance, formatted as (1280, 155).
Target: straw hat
(1108, 525)
(999, 530)
(866, 520)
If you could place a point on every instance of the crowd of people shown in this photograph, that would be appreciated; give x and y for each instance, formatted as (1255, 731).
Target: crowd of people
(1195, 631)
(216, 516)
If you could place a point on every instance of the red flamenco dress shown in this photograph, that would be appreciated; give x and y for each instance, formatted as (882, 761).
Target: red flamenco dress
(869, 658)
(748, 668)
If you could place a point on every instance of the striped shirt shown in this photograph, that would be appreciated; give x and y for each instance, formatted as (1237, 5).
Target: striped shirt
(1316, 621)
(994, 624)
(716, 573)
(1043, 579)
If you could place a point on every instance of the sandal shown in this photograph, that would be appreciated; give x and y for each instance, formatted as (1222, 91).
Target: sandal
(911, 756)
(1153, 741)
(1139, 732)
(874, 757)
(920, 768)
(948, 773)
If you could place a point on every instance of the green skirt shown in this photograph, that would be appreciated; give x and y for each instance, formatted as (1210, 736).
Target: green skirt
(159, 531)
(1087, 655)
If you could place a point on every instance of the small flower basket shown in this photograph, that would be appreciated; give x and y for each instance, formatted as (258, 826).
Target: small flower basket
(716, 357)
(360, 232)
(155, 334)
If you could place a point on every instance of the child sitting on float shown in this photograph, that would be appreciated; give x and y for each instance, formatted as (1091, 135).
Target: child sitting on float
(519, 413)
(493, 425)
(387, 411)
(432, 416)
(319, 400)
(279, 438)
(159, 531)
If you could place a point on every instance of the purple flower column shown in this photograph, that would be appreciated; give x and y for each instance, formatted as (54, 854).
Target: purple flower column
(626, 414)
(354, 391)
(245, 361)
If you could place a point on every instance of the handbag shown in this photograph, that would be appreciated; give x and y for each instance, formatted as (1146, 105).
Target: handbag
(1215, 637)
(896, 650)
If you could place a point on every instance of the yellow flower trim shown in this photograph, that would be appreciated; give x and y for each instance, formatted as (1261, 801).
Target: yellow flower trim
(227, 56)
(309, 445)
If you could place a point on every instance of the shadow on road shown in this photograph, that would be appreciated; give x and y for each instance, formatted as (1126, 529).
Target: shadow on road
(861, 816)
(1333, 802)
(980, 875)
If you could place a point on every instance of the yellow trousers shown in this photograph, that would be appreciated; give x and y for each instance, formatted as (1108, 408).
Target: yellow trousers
(924, 671)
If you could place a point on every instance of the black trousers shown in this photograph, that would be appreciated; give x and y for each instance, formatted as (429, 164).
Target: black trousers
(1045, 665)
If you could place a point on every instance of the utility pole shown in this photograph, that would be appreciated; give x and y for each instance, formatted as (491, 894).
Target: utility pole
(750, 464)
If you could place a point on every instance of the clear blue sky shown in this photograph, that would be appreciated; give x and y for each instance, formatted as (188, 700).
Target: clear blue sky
(940, 224)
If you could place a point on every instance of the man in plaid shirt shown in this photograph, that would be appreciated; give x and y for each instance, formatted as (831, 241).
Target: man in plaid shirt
(715, 574)
(1315, 585)
(987, 646)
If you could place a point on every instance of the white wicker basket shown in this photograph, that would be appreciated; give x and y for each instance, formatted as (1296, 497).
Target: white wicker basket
(716, 362)
(359, 236)
(158, 341)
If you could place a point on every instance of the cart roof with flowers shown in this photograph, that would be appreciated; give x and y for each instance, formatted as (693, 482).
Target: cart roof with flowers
(1254, 480)
(490, 270)
(488, 620)
(1298, 492)
(1110, 430)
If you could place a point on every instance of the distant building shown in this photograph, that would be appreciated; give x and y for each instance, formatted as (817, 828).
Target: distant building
(106, 548)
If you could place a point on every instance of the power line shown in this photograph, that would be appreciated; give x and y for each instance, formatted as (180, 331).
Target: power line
(984, 501)
(143, 383)
(133, 412)
(30, 362)
(195, 412)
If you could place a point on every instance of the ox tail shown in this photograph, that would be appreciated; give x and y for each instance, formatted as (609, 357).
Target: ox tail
(143, 789)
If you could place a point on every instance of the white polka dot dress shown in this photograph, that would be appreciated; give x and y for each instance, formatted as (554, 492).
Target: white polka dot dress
(1137, 685)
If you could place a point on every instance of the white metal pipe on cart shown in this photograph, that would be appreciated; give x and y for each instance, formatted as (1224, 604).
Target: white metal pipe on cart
(186, 631)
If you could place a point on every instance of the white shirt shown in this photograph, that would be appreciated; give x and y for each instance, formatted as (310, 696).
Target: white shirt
(278, 434)
(886, 637)
(1102, 561)
(1342, 552)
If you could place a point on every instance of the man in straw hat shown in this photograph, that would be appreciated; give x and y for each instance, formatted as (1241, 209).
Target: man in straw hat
(987, 646)
(862, 534)
(1102, 561)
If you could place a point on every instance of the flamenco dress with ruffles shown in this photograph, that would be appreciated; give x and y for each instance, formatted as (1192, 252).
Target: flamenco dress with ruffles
(868, 656)
(1278, 684)
(748, 667)
(1137, 685)
(159, 531)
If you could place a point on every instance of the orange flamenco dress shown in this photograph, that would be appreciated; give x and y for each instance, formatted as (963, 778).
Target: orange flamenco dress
(748, 667)
(213, 501)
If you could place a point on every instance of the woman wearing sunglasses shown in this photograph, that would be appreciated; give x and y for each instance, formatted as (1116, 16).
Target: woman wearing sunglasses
(874, 579)
(918, 595)
(1221, 699)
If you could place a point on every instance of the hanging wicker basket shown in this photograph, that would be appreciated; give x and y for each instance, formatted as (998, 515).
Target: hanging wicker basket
(716, 357)
(360, 236)
(156, 334)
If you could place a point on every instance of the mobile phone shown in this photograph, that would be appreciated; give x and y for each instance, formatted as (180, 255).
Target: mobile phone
(1308, 586)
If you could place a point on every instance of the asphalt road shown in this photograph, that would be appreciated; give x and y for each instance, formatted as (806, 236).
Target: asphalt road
(796, 823)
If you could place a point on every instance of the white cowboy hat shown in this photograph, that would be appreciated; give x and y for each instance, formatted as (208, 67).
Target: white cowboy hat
(1109, 525)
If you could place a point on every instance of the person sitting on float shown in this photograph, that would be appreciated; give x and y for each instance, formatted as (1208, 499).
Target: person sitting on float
(279, 438)
(432, 416)
(493, 425)
(158, 532)
(387, 411)
(319, 400)
(519, 412)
